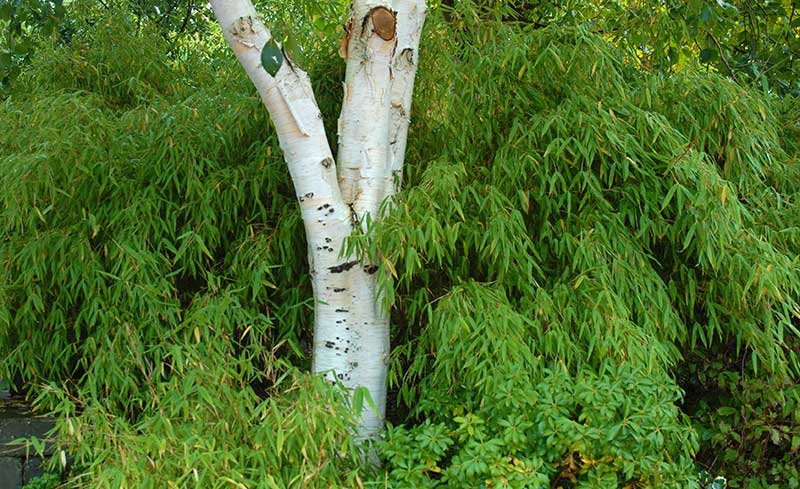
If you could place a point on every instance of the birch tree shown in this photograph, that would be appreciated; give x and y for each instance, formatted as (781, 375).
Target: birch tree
(339, 196)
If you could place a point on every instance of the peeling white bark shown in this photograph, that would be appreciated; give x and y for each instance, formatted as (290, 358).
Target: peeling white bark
(364, 122)
(289, 99)
(351, 329)
(404, 68)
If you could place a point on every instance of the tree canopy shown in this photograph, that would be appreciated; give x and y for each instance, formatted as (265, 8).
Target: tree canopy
(593, 268)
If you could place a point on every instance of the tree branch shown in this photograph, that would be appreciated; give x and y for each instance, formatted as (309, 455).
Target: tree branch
(404, 66)
(185, 19)
(722, 57)
(365, 118)
(289, 98)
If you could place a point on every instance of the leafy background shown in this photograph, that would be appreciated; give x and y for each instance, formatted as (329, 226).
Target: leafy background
(592, 269)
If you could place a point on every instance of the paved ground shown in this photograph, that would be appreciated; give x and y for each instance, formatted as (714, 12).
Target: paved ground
(17, 466)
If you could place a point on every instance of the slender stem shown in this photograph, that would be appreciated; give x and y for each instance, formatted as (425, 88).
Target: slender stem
(723, 57)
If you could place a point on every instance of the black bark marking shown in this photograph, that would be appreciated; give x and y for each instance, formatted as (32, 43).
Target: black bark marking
(337, 289)
(329, 344)
(408, 54)
(286, 57)
(371, 269)
(355, 222)
(342, 310)
(343, 267)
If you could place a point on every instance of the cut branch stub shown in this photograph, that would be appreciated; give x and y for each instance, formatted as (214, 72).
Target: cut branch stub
(271, 57)
(384, 22)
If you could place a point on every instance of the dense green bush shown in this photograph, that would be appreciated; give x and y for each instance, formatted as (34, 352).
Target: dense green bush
(578, 244)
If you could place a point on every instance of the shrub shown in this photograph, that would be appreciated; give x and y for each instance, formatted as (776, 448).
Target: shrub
(578, 242)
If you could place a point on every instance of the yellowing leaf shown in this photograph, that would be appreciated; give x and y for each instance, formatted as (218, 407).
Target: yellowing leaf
(389, 266)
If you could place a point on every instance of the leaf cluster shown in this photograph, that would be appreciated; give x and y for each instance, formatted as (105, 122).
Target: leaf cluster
(751, 41)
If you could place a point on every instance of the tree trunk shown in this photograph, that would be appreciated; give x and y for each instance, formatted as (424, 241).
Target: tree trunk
(351, 328)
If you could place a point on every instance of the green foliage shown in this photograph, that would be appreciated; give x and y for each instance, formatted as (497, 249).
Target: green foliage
(754, 42)
(615, 220)
(22, 25)
(147, 219)
(28, 25)
(579, 243)
(749, 423)
(46, 481)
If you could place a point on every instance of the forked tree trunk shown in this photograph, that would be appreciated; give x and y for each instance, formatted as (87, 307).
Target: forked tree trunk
(351, 328)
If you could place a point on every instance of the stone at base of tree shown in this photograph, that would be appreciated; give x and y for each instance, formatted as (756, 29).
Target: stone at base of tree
(18, 463)
(15, 424)
(10, 473)
(16, 472)
(34, 467)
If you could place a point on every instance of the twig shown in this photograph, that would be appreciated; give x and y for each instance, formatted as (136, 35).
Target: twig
(722, 56)
(186, 19)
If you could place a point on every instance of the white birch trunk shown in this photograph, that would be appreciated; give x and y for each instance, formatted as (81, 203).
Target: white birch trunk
(351, 329)
(404, 68)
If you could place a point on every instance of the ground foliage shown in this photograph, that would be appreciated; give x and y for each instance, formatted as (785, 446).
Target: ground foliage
(593, 270)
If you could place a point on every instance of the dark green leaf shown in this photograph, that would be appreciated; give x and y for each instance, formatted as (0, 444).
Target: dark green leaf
(706, 13)
(707, 54)
(271, 57)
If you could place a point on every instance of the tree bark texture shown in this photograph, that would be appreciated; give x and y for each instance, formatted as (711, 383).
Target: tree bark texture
(337, 198)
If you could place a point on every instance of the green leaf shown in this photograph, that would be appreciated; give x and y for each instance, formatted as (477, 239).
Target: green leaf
(271, 57)
(706, 13)
(707, 55)
(5, 60)
(358, 400)
(6, 10)
(23, 46)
